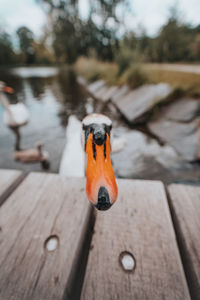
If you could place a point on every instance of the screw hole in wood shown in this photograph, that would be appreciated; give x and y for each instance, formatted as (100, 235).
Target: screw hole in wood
(51, 243)
(127, 261)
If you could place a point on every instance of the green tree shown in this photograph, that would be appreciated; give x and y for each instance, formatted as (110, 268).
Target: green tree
(173, 42)
(26, 40)
(7, 55)
(73, 36)
(194, 46)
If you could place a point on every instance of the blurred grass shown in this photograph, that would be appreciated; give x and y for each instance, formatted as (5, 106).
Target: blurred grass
(189, 83)
(137, 74)
(93, 69)
(134, 76)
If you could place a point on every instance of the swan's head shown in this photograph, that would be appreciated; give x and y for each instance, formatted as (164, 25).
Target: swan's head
(4, 88)
(101, 186)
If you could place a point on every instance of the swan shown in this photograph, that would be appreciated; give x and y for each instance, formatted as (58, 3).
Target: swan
(101, 187)
(87, 153)
(15, 115)
(73, 158)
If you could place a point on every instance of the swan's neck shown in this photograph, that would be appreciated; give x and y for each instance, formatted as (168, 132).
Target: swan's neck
(5, 103)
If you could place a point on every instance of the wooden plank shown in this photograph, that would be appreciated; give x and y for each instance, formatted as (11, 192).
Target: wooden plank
(110, 93)
(185, 205)
(184, 109)
(95, 86)
(179, 135)
(82, 81)
(43, 206)
(9, 179)
(121, 92)
(105, 93)
(139, 223)
(99, 93)
(136, 103)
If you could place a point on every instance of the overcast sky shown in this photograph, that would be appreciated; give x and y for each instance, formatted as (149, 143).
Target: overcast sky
(151, 14)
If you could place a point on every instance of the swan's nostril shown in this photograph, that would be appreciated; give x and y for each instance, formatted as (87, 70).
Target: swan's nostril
(103, 199)
(99, 135)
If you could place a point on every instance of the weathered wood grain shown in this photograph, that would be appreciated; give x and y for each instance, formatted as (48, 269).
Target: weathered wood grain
(113, 90)
(185, 205)
(179, 135)
(105, 93)
(82, 81)
(134, 105)
(9, 179)
(121, 92)
(95, 86)
(100, 92)
(139, 223)
(182, 110)
(43, 206)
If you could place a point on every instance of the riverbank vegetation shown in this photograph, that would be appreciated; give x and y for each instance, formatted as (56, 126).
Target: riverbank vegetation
(93, 69)
(67, 36)
(137, 74)
(186, 82)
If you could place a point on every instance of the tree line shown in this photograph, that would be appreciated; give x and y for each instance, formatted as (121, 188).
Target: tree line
(68, 36)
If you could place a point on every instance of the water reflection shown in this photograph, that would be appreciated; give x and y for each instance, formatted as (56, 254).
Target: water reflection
(50, 101)
(37, 87)
(39, 72)
(17, 134)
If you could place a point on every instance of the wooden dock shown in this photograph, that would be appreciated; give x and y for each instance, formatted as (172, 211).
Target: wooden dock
(53, 245)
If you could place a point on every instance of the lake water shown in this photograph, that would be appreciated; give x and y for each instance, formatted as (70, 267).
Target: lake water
(51, 95)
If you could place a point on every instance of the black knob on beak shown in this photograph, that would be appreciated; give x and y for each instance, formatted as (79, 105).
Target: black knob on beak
(103, 199)
(99, 135)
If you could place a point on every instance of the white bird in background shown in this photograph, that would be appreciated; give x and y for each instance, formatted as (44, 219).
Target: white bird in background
(15, 115)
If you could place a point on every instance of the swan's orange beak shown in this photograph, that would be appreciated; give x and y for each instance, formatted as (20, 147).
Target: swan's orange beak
(8, 89)
(101, 186)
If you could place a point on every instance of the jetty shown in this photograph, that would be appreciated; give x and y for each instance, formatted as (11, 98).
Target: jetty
(54, 245)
